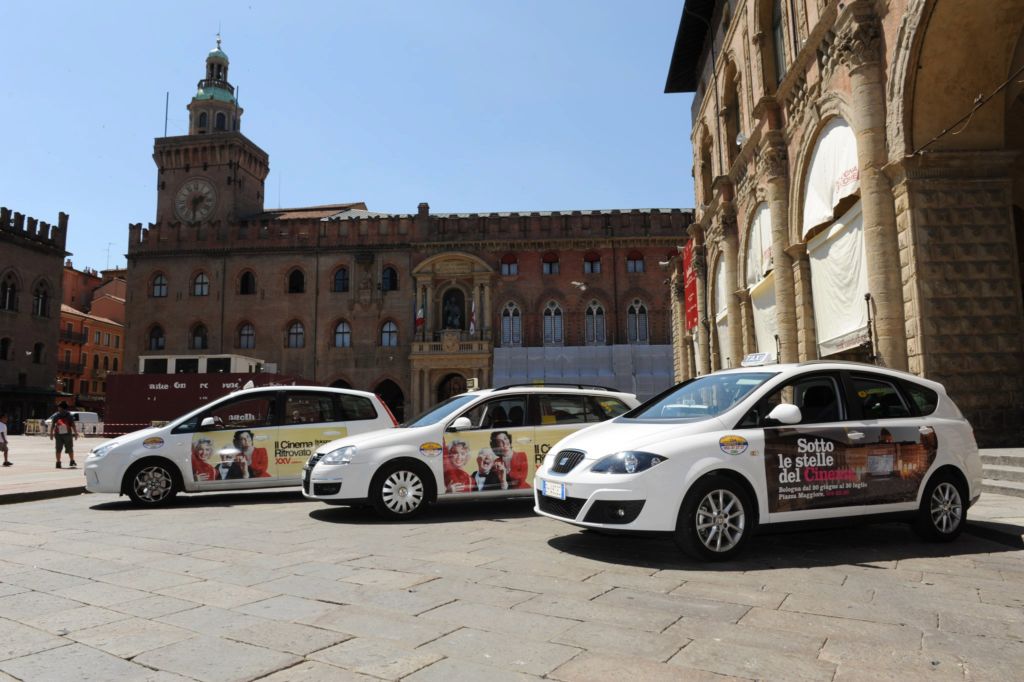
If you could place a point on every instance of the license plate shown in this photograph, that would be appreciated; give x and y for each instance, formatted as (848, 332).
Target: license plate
(552, 489)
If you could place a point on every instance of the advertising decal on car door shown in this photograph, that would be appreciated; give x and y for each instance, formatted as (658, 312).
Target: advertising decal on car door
(820, 468)
(254, 453)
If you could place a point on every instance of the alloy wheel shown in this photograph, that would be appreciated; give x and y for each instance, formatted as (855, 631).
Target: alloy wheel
(720, 520)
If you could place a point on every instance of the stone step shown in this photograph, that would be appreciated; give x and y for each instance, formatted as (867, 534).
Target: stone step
(1012, 488)
(997, 472)
(1013, 458)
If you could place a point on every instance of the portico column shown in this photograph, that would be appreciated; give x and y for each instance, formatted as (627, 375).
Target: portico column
(485, 320)
(746, 322)
(858, 46)
(428, 306)
(729, 244)
(772, 165)
(807, 338)
(700, 269)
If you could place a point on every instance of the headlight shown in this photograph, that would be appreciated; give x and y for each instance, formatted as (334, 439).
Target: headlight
(101, 450)
(628, 462)
(342, 455)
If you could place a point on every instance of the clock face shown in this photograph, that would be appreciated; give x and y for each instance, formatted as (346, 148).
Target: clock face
(195, 200)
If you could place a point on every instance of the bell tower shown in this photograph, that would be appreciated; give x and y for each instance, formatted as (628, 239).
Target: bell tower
(214, 173)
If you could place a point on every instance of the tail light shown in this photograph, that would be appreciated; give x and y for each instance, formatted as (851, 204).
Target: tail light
(394, 422)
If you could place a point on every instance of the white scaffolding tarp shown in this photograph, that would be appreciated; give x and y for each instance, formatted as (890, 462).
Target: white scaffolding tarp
(762, 301)
(839, 281)
(759, 245)
(722, 315)
(834, 173)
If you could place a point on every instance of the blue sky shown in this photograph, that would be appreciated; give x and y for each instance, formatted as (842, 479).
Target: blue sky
(470, 105)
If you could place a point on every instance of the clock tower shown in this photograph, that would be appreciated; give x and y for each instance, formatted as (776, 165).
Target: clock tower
(214, 173)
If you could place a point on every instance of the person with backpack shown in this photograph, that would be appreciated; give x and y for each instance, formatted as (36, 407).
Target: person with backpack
(63, 432)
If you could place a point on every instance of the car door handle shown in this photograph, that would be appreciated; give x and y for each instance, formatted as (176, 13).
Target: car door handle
(855, 435)
(332, 433)
(524, 439)
(926, 430)
(260, 438)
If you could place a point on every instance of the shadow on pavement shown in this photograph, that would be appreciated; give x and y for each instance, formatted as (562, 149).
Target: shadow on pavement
(861, 544)
(497, 510)
(225, 499)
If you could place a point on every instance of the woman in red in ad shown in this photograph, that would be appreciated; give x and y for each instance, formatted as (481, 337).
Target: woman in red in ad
(515, 462)
(202, 451)
(456, 478)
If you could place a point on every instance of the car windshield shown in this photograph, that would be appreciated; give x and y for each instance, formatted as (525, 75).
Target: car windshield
(701, 398)
(441, 411)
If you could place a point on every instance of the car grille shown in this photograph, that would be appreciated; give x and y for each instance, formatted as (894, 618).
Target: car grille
(307, 471)
(569, 508)
(566, 461)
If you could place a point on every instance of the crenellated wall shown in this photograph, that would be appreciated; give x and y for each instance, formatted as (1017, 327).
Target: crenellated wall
(34, 230)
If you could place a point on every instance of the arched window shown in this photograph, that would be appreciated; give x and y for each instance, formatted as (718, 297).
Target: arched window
(509, 264)
(553, 329)
(296, 282)
(778, 41)
(114, 367)
(511, 325)
(5, 349)
(389, 335)
(204, 120)
(591, 263)
(343, 335)
(222, 121)
(594, 325)
(41, 301)
(9, 293)
(201, 285)
(156, 338)
(636, 322)
(635, 262)
(389, 279)
(37, 354)
(158, 288)
(296, 336)
(247, 284)
(197, 338)
(340, 280)
(106, 362)
(246, 336)
(550, 264)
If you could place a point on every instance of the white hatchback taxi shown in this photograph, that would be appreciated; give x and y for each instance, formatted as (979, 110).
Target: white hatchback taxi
(252, 438)
(475, 445)
(714, 458)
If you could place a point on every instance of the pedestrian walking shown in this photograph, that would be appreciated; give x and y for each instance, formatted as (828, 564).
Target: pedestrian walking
(63, 432)
(3, 439)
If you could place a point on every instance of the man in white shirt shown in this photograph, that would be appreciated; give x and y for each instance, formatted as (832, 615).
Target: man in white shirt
(3, 439)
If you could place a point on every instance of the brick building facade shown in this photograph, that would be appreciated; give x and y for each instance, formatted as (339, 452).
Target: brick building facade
(409, 305)
(31, 253)
(860, 184)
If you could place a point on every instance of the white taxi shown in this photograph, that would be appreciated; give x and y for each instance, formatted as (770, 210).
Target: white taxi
(252, 438)
(714, 458)
(475, 445)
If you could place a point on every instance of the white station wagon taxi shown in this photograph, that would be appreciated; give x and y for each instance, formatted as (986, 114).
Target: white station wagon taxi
(252, 438)
(715, 457)
(475, 445)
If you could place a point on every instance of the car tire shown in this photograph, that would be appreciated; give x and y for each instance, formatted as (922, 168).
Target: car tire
(153, 483)
(715, 519)
(943, 511)
(401, 491)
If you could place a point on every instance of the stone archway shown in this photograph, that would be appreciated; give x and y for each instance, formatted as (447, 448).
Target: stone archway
(393, 397)
(452, 384)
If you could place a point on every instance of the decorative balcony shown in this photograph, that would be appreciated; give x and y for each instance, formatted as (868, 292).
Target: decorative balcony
(70, 367)
(73, 337)
(450, 342)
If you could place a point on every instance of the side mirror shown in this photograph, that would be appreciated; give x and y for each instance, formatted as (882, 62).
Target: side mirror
(460, 424)
(785, 413)
(210, 423)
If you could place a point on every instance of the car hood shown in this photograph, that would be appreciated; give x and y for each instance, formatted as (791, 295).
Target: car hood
(631, 434)
(382, 438)
(132, 437)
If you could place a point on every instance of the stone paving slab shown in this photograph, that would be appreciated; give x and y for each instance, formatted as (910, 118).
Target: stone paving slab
(467, 594)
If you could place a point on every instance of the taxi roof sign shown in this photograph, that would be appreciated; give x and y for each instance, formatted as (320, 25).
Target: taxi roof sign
(758, 359)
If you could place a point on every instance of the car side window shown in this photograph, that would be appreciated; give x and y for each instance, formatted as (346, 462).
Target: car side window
(818, 398)
(561, 408)
(248, 411)
(354, 408)
(602, 408)
(924, 398)
(505, 412)
(309, 408)
(878, 398)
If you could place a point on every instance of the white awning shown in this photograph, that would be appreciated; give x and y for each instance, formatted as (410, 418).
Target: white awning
(759, 245)
(833, 174)
(839, 281)
(762, 301)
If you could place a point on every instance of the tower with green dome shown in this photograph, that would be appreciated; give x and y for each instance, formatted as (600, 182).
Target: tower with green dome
(214, 108)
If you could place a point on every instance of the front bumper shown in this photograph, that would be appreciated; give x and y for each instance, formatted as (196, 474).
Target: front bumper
(336, 482)
(611, 501)
(101, 476)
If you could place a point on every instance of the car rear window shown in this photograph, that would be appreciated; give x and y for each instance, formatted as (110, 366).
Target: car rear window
(879, 399)
(602, 408)
(354, 408)
(924, 398)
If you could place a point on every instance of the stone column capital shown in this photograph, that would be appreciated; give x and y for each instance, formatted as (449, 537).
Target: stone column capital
(743, 295)
(773, 161)
(696, 233)
(859, 36)
(797, 251)
(728, 228)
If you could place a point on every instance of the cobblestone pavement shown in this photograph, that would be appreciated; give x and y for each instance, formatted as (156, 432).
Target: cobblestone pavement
(270, 586)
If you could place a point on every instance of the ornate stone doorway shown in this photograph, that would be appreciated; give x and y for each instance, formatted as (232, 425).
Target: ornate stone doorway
(453, 384)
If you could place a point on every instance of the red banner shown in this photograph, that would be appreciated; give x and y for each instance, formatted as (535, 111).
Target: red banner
(690, 286)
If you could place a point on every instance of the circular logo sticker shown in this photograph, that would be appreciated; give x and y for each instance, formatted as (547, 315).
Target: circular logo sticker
(153, 443)
(430, 449)
(733, 445)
